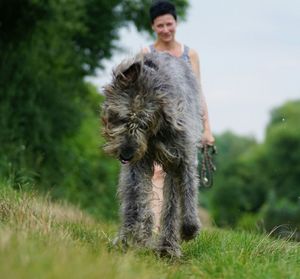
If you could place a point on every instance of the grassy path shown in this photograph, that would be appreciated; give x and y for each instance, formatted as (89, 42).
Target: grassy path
(40, 239)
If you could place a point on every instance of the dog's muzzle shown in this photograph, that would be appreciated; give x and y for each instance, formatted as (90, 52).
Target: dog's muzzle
(123, 161)
(126, 154)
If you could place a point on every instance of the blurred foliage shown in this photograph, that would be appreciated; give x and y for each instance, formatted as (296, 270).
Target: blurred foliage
(257, 185)
(283, 148)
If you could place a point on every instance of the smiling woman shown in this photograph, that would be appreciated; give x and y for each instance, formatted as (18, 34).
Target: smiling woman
(165, 27)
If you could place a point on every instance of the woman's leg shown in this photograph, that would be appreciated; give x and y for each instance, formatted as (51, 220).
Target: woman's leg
(157, 199)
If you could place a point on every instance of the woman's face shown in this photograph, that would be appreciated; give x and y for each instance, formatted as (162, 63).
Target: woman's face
(165, 27)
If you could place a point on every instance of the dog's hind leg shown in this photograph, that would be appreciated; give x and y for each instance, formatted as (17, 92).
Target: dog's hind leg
(168, 243)
(190, 224)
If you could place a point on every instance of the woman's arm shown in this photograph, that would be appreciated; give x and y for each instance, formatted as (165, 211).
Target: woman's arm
(207, 137)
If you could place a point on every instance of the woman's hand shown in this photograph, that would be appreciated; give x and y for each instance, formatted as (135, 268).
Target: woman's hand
(207, 138)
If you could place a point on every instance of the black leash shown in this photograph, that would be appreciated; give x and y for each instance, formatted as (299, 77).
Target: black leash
(207, 165)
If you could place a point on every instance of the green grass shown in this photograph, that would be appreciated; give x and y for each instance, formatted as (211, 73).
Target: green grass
(40, 239)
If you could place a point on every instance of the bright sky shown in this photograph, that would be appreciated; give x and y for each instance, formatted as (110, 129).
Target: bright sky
(249, 54)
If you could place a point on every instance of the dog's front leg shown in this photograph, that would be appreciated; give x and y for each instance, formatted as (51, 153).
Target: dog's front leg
(168, 243)
(136, 218)
(145, 222)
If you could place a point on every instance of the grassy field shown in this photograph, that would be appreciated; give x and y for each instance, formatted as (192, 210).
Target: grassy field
(40, 239)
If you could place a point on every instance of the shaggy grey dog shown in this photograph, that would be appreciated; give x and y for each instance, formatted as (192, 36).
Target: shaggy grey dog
(152, 114)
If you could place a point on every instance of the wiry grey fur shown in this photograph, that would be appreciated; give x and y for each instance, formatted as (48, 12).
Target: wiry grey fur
(152, 114)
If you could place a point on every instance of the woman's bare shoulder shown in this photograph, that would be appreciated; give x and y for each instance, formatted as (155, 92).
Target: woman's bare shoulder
(193, 54)
(145, 50)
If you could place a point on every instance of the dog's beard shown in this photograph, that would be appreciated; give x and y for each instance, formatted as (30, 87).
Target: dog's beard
(115, 145)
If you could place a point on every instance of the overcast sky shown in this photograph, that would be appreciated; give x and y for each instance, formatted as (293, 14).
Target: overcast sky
(249, 54)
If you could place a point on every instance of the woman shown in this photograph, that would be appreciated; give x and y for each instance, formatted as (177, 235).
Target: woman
(164, 23)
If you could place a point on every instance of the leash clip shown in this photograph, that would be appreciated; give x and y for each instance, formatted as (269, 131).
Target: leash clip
(207, 165)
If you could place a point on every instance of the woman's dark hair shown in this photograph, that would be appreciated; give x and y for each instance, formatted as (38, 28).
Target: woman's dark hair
(159, 8)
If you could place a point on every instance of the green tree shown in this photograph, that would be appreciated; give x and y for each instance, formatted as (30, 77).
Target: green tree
(236, 189)
(259, 185)
(283, 166)
(283, 147)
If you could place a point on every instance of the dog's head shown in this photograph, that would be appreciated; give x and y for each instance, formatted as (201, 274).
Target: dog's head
(131, 112)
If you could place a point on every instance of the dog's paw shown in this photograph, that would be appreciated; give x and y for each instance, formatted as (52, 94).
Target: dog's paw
(189, 230)
(168, 250)
(143, 241)
(120, 242)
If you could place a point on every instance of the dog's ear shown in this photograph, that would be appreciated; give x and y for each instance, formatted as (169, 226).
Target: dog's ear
(131, 74)
(104, 120)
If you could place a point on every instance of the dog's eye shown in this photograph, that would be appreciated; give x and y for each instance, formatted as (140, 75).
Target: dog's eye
(121, 121)
(117, 121)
